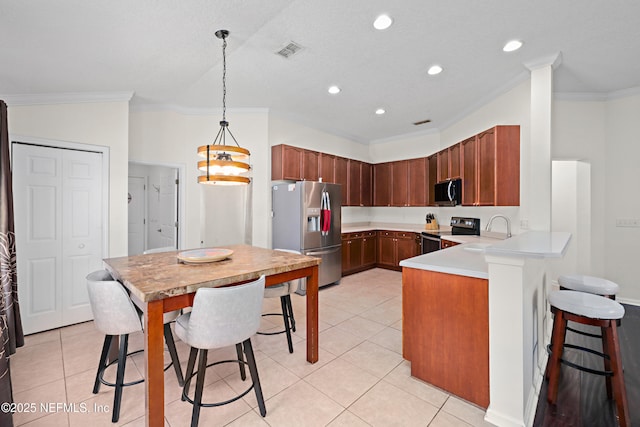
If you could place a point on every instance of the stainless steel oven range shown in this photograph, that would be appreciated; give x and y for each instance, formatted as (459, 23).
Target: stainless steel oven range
(431, 240)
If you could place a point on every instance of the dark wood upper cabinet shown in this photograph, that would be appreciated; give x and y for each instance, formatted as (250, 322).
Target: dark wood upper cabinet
(454, 161)
(341, 174)
(449, 163)
(499, 166)
(469, 154)
(366, 184)
(359, 183)
(326, 167)
(418, 175)
(354, 183)
(432, 162)
(382, 184)
(286, 162)
(400, 183)
(443, 165)
(491, 168)
(488, 163)
(310, 160)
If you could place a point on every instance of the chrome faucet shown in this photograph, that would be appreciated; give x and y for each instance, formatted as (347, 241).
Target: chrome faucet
(488, 227)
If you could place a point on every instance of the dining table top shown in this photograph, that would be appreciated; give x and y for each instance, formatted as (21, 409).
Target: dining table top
(161, 275)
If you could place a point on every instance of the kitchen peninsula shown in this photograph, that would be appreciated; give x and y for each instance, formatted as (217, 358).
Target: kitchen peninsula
(474, 321)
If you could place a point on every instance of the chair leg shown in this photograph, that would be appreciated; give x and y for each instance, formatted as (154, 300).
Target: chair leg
(291, 318)
(285, 316)
(122, 363)
(187, 379)
(619, 391)
(607, 360)
(243, 373)
(197, 399)
(171, 345)
(103, 362)
(557, 337)
(253, 369)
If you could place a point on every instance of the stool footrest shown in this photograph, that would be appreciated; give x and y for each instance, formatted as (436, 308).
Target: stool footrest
(107, 383)
(580, 367)
(587, 334)
(185, 390)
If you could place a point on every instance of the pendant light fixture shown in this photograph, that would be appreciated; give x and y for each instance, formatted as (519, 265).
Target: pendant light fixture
(224, 164)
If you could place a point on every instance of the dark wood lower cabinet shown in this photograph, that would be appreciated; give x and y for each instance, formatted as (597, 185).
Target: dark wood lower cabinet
(385, 249)
(358, 252)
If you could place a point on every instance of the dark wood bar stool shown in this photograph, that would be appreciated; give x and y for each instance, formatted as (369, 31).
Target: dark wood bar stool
(593, 310)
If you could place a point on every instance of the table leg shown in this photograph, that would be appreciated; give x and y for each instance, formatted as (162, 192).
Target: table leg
(312, 316)
(154, 373)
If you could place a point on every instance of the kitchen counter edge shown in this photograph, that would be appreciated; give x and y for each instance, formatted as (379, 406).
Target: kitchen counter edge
(463, 262)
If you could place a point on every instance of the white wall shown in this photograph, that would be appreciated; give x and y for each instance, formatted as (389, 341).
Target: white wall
(579, 134)
(622, 197)
(409, 147)
(170, 137)
(571, 212)
(284, 131)
(96, 123)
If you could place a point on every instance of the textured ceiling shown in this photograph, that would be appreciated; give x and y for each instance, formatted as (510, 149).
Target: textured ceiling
(166, 53)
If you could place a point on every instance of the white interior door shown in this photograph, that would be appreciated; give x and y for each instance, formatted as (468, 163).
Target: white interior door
(136, 214)
(58, 205)
(168, 209)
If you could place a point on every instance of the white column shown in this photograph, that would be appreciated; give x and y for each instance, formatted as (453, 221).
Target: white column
(540, 150)
(516, 316)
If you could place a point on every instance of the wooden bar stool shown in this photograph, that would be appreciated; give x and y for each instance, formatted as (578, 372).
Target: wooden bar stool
(594, 310)
(589, 284)
(283, 291)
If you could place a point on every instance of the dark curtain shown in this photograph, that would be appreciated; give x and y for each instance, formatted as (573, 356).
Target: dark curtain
(11, 335)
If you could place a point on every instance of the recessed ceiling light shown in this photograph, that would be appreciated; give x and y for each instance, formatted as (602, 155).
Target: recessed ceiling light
(382, 22)
(333, 90)
(380, 111)
(434, 69)
(512, 45)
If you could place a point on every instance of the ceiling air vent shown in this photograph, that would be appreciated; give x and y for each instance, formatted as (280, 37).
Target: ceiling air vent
(422, 122)
(290, 49)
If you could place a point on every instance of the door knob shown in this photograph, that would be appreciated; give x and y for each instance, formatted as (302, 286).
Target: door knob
(81, 245)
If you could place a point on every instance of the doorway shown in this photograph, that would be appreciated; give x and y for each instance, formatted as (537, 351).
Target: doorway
(154, 208)
(60, 203)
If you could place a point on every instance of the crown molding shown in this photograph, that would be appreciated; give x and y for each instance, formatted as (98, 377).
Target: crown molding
(597, 96)
(66, 98)
(191, 111)
(552, 60)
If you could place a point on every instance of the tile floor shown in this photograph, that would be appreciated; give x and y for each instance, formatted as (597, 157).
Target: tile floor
(360, 379)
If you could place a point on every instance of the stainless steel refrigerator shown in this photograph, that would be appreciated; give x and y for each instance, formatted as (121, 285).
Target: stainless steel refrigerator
(306, 218)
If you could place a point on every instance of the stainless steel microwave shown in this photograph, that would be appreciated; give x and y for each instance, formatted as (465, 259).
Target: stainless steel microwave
(448, 193)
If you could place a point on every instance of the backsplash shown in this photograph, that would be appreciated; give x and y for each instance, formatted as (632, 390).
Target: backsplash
(416, 215)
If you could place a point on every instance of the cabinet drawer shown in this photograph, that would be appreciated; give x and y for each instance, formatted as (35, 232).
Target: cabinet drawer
(447, 243)
(405, 235)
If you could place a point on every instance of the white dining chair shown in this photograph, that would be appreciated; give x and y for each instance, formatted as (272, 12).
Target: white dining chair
(222, 317)
(284, 291)
(115, 315)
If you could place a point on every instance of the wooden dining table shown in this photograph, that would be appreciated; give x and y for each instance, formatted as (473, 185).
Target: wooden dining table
(160, 283)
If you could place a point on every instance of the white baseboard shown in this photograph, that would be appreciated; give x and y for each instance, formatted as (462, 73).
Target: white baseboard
(630, 301)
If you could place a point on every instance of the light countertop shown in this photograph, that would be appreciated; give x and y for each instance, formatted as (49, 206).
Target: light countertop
(468, 258)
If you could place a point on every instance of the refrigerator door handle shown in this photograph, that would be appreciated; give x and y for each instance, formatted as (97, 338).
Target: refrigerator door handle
(323, 251)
